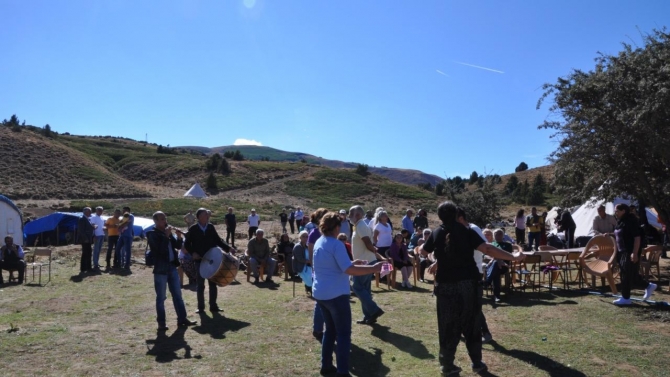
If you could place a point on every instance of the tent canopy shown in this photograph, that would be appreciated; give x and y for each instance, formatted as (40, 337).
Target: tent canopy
(53, 229)
(585, 214)
(196, 192)
(11, 220)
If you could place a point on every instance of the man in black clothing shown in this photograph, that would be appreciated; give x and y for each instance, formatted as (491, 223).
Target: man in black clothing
(230, 226)
(85, 239)
(200, 238)
(291, 221)
(11, 258)
(283, 218)
(457, 287)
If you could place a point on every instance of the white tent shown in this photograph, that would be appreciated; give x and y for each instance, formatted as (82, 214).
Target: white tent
(196, 192)
(11, 221)
(585, 214)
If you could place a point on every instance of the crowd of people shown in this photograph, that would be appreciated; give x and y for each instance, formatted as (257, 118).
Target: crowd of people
(335, 256)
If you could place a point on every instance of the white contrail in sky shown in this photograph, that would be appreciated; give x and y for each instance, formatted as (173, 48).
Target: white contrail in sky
(476, 66)
(442, 73)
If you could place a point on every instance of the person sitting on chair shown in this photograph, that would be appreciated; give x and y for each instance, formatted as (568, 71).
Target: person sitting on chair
(424, 262)
(401, 259)
(258, 250)
(285, 253)
(11, 258)
(497, 267)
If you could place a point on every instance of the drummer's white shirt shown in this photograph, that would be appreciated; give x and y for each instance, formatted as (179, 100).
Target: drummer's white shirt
(254, 220)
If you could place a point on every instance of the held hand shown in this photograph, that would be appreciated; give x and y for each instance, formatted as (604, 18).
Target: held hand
(518, 257)
(634, 257)
(432, 269)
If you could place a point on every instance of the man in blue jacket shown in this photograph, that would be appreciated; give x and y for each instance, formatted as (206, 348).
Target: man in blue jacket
(164, 246)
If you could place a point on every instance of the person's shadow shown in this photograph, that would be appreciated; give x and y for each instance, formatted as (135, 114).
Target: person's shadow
(165, 348)
(217, 325)
(552, 367)
(365, 363)
(403, 343)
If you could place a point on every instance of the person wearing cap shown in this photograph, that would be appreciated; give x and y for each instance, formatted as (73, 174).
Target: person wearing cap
(201, 237)
(345, 224)
(299, 215)
(99, 236)
(85, 233)
(254, 222)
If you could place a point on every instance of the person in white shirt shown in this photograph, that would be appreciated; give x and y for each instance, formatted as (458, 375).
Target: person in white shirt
(254, 222)
(299, 214)
(520, 227)
(363, 249)
(603, 223)
(99, 236)
(382, 233)
(11, 258)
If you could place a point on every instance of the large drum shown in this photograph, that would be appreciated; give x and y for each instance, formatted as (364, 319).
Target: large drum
(219, 267)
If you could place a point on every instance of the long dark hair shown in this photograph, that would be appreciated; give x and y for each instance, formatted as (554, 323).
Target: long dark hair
(520, 213)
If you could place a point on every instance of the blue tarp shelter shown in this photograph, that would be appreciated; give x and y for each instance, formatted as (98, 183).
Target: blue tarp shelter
(60, 228)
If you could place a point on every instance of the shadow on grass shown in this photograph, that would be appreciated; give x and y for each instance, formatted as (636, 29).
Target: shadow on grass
(217, 325)
(528, 299)
(365, 363)
(165, 348)
(551, 367)
(402, 342)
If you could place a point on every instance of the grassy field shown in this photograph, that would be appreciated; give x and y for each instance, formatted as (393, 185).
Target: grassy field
(105, 325)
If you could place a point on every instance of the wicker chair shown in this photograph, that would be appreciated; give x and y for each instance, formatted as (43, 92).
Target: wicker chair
(652, 256)
(598, 259)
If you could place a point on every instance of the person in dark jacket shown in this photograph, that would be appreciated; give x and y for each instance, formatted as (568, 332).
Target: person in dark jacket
(11, 258)
(164, 246)
(85, 238)
(200, 238)
(628, 239)
(567, 224)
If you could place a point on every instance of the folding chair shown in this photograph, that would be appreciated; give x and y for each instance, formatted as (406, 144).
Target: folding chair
(35, 263)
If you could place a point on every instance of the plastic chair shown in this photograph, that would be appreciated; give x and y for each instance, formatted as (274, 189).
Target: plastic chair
(601, 253)
(652, 258)
(528, 270)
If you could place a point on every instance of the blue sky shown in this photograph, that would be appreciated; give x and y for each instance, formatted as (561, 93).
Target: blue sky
(387, 83)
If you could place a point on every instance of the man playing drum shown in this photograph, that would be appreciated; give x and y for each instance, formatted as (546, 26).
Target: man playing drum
(200, 238)
(164, 246)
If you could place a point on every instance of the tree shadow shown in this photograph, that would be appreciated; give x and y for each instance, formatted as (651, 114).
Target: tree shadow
(552, 367)
(402, 342)
(217, 325)
(365, 363)
(165, 348)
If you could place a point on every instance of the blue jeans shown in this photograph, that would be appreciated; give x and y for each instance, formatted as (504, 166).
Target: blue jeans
(172, 282)
(123, 250)
(318, 319)
(363, 289)
(534, 237)
(99, 240)
(337, 314)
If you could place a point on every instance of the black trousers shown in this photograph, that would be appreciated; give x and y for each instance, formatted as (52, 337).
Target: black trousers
(520, 235)
(570, 238)
(458, 313)
(200, 290)
(629, 272)
(19, 266)
(482, 318)
(292, 224)
(111, 245)
(86, 254)
(230, 233)
(252, 231)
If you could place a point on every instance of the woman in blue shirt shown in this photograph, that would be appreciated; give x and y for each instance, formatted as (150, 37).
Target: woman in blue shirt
(330, 288)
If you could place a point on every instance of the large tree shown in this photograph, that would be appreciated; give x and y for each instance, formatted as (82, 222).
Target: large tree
(612, 125)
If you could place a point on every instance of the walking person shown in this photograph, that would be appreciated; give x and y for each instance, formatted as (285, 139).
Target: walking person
(332, 269)
(231, 224)
(254, 222)
(164, 246)
(628, 239)
(112, 227)
(534, 223)
(200, 238)
(457, 285)
(283, 219)
(363, 249)
(85, 234)
(99, 236)
(299, 215)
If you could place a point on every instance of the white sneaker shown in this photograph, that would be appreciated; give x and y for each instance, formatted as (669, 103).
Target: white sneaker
(649, 291)
(622, 301)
